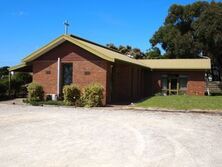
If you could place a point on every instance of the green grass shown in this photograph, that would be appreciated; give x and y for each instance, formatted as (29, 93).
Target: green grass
(183, 102)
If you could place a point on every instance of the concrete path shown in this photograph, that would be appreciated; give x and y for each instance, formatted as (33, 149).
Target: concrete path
(104, 137)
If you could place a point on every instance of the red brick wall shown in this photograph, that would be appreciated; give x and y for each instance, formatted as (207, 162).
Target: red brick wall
(128, 83)
(48, 81)
(82, 60)
(196, 83)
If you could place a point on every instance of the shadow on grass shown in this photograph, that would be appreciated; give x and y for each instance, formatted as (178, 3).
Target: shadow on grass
(125, 103)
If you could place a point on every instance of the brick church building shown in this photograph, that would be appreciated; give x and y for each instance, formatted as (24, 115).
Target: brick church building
(71, 59)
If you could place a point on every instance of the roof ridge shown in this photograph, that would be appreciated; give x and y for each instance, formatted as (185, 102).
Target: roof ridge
(94, 43)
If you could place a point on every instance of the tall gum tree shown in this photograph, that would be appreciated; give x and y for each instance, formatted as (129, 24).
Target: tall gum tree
(192, 31)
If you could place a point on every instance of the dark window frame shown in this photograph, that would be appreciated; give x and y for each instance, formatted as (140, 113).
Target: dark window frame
(166, 83)
(70, 75)
(183, 77)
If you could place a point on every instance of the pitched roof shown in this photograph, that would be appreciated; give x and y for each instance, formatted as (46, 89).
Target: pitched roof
(22, 65)
(99, 50)
(113, 56)
(177, 64)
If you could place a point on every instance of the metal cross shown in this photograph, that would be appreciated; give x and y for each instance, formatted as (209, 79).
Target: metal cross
(66, 24)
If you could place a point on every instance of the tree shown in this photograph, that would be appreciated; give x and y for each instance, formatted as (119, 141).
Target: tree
(112, 46)
(3, 81)
(22, 78)
(3, 72)
(153, 53)
(208, 31)
(192, 31)
(127, 50)
(3, 88)
(18, 82)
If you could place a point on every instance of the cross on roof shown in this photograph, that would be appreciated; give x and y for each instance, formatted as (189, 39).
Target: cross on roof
(66, 24)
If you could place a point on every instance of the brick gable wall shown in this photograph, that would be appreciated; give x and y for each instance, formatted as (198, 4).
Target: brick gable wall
(87, 68)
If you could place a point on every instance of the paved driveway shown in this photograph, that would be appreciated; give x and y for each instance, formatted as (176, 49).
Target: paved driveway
(54, 136)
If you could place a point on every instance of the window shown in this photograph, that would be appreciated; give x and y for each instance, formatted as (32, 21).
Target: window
(183, 82)
(173, 83)
(67, 73)
(164, 83)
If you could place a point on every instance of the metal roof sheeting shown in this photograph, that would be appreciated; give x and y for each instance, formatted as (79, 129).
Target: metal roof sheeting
(178, 64)
(112, 56)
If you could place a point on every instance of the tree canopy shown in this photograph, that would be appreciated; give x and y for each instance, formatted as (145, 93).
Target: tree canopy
(3, 72)
(127, 50)
(153, 53)
(191, 31)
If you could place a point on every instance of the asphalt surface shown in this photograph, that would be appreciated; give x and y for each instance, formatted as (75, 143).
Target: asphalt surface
(107, 137)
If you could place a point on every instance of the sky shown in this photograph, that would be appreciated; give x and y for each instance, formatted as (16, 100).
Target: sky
(26, 25)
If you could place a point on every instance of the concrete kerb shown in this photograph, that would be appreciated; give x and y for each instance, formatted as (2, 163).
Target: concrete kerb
(215, 112)
(129, 107)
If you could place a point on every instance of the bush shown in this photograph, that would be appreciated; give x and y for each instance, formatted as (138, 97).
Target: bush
(22, 78)
(18, 84)
(4, 72)
(3, 88)
(42, 103)
(92, 95)
(48, 98)
(35, 92)
(71, 95)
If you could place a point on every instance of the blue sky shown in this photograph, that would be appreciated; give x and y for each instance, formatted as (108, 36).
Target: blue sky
(27, 25)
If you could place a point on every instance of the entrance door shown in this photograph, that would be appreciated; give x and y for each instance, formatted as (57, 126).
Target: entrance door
(173, 85)
(67, 74)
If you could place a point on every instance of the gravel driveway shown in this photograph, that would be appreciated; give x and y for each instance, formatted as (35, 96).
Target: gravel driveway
(107, 137)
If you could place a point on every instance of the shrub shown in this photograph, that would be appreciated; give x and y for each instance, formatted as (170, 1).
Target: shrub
(4, 72)
(22, 78)
(41, 103)
(92, 95)
(19, 83)
(48, 98)
(71, 94)
(51, 102)
(3, 88)
(35, 92)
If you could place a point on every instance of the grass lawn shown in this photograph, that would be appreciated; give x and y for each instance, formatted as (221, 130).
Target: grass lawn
(183, 102)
